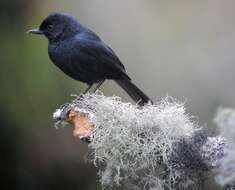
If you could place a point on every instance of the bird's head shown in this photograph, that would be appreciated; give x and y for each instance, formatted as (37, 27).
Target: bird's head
(58, 26)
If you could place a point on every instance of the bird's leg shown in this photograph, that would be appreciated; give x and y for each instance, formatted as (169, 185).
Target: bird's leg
(98, 85)
(87, 89)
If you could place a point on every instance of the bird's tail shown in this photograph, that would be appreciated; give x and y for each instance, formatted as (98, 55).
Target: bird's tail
(133, 91)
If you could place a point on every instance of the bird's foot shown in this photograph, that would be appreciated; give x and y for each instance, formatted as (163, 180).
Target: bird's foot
(80, 96)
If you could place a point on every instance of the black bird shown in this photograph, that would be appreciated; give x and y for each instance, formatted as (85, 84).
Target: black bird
(82, 55)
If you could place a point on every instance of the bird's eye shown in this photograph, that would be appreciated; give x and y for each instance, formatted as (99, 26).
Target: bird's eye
(50, 27)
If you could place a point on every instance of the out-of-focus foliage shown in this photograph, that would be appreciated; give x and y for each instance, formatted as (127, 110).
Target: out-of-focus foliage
(33, 154)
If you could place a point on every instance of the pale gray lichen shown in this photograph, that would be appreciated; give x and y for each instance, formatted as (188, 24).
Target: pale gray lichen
(135, 145)
(213, 151)
(155, 147)
(225, 119)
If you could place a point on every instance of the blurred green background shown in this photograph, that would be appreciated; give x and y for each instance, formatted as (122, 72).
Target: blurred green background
(181, 48)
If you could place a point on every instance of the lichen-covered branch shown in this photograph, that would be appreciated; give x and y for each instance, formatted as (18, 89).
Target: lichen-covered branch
(225, 119)
(157, 146)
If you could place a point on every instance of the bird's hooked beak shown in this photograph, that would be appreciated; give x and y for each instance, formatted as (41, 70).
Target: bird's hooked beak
(35, 31)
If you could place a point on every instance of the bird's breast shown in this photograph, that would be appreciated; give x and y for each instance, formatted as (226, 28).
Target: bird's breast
(74, 63)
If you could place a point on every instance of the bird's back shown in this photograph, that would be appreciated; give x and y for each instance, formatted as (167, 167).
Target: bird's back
(86, 58)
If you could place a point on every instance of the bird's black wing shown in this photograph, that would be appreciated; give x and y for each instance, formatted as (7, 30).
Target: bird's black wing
(103, 56)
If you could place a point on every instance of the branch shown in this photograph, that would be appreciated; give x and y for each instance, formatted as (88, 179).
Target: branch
(156, 146)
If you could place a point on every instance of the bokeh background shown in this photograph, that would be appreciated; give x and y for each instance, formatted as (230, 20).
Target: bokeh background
(183, 48)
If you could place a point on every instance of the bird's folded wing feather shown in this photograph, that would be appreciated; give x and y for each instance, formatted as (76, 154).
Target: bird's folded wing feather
(100, 52)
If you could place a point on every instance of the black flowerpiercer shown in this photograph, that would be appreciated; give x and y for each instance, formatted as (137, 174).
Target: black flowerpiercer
(82, 55)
